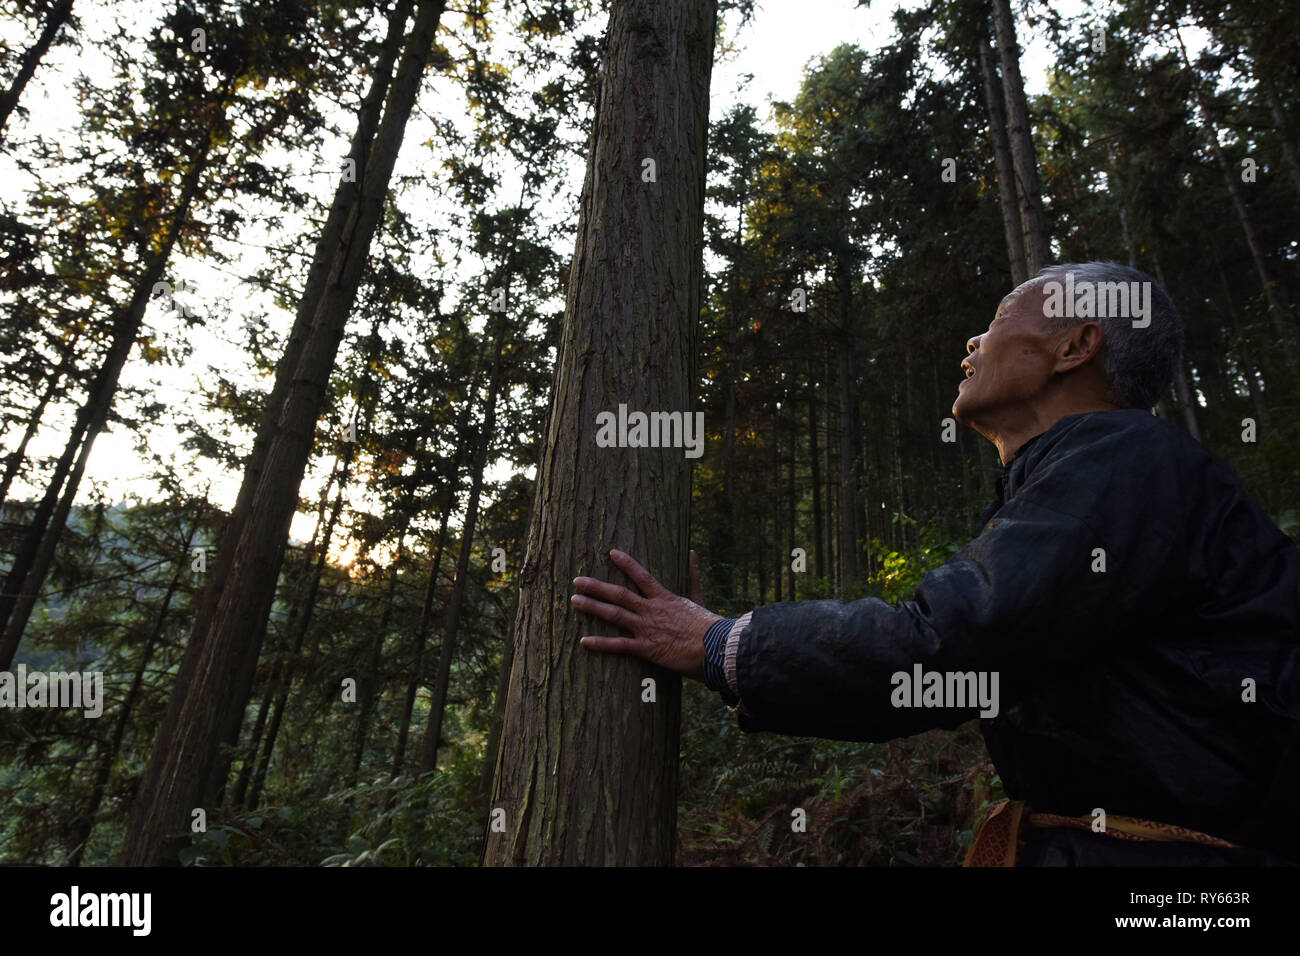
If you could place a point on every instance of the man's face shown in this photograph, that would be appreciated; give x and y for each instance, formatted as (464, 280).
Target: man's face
(1012, 363)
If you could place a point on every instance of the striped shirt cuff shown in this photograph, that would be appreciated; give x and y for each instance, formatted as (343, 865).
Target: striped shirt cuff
(729, 653)
(715, 640)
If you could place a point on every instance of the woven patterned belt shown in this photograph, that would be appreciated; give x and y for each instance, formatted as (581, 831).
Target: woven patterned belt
(998, 838)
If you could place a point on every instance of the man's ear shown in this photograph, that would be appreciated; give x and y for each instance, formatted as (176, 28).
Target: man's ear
(1080, 343)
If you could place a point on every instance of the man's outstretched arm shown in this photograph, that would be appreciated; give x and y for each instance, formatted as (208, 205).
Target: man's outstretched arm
(1028, 600)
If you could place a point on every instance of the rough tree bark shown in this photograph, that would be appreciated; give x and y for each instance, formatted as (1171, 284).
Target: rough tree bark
(587, 772)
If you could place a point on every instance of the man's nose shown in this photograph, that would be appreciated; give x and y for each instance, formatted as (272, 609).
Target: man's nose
(973, 343)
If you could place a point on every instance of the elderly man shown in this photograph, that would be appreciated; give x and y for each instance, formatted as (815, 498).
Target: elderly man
(1125, 624)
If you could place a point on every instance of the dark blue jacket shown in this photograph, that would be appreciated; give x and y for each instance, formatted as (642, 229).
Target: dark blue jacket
(1124, 689)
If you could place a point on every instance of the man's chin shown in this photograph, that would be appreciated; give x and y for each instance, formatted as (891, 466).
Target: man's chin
(959, 410)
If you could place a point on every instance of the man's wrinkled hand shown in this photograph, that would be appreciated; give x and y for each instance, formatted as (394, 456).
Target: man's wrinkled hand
(667, 629)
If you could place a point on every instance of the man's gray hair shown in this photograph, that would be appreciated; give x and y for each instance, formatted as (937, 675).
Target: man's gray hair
(1138, 363)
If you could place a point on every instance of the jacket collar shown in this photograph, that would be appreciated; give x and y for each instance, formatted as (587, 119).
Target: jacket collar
(1016, 470)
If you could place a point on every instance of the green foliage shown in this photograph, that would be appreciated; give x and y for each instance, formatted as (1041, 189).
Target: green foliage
(900, 572)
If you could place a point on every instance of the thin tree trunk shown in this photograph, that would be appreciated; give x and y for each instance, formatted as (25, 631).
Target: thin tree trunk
(832, 522)
(814, 464)
(1037, 248)
(774, 494)
(1184, 393)
(1248, 365)
(431, 587)
(15, 460)
(588, 766)
(289, 671)
(302, 586)
(1181, 390)
(1277, 310)
(447, 654)
(725, 559)
(1276, 307)
(896, 470)
(369, 686)
(426, 621)
(787, 559)
(183, 760)
(850, 441)
(1283, 131)
(1011, 222)
(1275, 107)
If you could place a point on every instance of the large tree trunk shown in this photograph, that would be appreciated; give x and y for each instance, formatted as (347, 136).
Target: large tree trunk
(183, 759)
(54, 22)
(588, 768)
(1011, 223)
(1037, 248)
